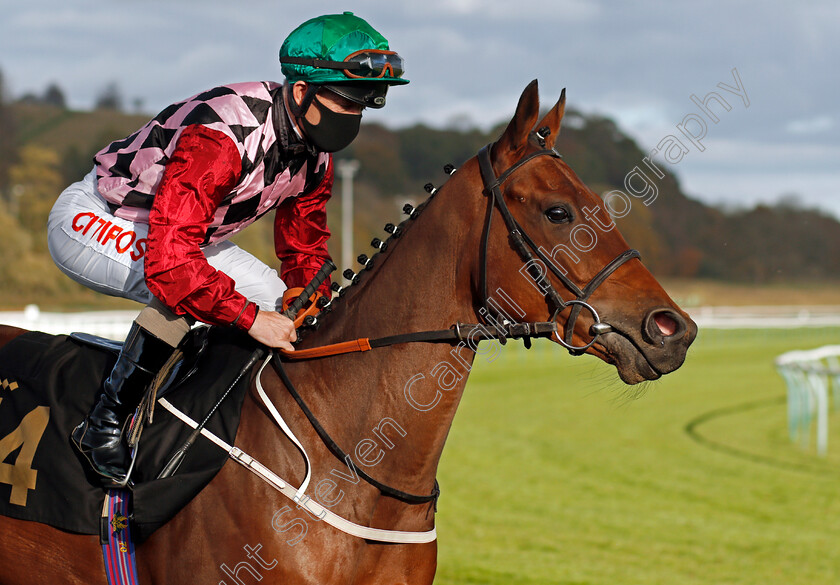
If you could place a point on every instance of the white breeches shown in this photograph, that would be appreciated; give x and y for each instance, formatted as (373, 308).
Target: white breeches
(103, 252)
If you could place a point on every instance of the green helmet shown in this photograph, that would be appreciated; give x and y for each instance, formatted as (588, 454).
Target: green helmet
(340, 49)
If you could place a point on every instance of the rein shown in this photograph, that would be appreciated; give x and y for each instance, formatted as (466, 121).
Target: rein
(527, 249)
(459, 332)
(499, 329)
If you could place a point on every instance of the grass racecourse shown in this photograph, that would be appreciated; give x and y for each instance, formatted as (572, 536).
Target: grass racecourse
(557, 473)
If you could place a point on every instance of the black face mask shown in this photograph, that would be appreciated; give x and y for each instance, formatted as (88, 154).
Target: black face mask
(334, 131)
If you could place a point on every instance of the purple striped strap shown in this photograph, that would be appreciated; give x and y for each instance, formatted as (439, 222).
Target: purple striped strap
(118, 550)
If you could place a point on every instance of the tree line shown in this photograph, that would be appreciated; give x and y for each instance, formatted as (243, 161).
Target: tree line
(31, 177)
(44, 147)
(678, 236)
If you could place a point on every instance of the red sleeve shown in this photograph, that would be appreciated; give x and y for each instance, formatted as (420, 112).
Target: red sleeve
(204, 167)
(301, 234)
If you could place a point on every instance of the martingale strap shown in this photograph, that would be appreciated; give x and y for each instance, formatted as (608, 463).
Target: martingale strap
(501, 328)
(344, 457)
(324, 514)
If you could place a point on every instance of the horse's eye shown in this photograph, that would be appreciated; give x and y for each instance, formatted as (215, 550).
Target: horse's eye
(558, 215)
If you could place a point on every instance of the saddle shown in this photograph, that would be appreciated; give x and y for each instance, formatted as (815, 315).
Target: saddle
(47, 385)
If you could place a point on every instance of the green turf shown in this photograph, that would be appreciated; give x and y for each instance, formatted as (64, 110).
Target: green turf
(555, 472)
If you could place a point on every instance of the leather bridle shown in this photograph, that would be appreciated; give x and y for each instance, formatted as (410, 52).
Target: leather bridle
(527, 249)
(501, 329)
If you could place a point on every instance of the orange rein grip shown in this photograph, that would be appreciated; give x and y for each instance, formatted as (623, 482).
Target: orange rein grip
(362, 344)
(312, 309)
(289, 295)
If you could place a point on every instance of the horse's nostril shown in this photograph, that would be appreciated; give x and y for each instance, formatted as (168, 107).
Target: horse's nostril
(666, 324)
(662, 326)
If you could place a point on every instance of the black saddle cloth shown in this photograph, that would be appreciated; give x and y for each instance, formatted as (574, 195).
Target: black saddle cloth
(49, 383)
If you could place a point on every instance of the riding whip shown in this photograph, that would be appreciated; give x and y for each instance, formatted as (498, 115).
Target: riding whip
(175, 462)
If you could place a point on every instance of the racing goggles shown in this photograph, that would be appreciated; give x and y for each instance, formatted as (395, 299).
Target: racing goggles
(364, 64)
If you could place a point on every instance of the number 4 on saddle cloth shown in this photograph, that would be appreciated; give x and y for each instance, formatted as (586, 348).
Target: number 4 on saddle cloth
(49, 383)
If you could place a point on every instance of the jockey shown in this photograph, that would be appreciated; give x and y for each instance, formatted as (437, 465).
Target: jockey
(151, 222)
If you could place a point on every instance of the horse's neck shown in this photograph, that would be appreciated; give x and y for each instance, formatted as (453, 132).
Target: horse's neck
(399, 401)
(422, 283)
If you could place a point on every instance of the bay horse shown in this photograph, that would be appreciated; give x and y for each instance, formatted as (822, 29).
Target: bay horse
(391, 408)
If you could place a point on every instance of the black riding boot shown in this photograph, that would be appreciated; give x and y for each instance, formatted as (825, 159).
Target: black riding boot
(99, 436)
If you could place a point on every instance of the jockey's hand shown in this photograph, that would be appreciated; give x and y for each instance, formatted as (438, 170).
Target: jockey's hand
(274, 330)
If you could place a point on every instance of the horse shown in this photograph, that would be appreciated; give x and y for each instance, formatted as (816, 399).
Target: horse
(492, 248)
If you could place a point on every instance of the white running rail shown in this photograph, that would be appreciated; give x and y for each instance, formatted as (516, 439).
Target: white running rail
(810, 375)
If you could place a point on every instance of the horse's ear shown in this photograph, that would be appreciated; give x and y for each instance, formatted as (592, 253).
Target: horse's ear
(515, 135)
(552, 120)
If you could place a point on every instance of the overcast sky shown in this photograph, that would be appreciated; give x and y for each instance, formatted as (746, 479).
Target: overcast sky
(638, 62)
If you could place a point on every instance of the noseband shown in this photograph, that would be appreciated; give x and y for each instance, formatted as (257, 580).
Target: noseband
(527, 249)
(460, 332)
